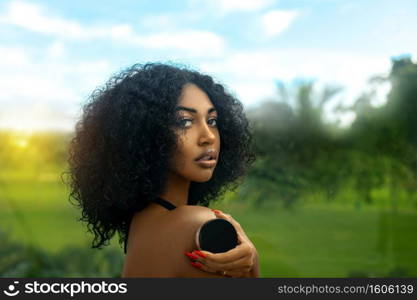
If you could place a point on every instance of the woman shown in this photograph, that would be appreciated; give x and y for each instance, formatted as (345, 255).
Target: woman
(153, 149)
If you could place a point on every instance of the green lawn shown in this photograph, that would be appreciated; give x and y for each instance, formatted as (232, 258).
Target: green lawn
(310, 241)
(333, 242)
(40, 213)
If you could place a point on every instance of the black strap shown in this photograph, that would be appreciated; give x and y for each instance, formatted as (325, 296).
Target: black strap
(164, 203)
(160, 201)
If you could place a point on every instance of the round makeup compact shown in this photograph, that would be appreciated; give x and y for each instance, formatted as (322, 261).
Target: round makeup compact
(216, 235)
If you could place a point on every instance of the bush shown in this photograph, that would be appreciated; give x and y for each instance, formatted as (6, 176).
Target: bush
(18, 260)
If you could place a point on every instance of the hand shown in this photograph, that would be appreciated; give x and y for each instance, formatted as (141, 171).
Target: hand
(237, 262)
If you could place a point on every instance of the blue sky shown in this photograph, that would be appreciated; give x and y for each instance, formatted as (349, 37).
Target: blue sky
(54, 53)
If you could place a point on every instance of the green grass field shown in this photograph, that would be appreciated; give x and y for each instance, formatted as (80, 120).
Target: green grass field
(333, 242)
(316, 240)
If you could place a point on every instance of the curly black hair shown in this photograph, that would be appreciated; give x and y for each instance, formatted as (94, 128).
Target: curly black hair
(119, 155)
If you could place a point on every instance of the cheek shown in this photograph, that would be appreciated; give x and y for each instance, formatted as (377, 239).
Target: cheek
(177, 161)
(180, 157)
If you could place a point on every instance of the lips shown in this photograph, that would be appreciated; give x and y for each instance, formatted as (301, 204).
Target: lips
(207, 155)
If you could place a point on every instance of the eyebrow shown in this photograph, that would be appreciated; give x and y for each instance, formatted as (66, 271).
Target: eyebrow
(192, 110)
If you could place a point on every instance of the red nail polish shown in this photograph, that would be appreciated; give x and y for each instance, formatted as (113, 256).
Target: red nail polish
(197, 265)
(191, 255)
(199, 253)
(216, 211)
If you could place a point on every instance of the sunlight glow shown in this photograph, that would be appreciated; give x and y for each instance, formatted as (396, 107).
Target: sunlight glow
(21, 142)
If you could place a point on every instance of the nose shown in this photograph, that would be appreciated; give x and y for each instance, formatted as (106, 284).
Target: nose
(207, 135)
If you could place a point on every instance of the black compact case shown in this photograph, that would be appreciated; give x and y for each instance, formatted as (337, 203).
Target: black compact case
(217, 235)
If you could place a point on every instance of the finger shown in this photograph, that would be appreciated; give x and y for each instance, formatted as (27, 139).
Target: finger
(195, 256)
(243, 264)
(217, 260)
(228, 256)
(240, 237)
(204, 267)
(222, 257)
(225, 273)
(221, 214)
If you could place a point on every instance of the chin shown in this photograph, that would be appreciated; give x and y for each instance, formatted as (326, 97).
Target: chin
(202, 179)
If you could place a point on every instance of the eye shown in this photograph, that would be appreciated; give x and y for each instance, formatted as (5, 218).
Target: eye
(182, 122)
(215, 121)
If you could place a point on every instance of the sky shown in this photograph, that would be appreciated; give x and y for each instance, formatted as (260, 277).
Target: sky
(53, 54)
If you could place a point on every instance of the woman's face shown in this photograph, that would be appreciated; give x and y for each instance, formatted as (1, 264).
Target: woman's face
(198, 133)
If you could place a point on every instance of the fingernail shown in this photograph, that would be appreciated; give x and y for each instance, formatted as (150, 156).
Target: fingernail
(191, 255)
(216, 211)
(197, 265)
(199, 253)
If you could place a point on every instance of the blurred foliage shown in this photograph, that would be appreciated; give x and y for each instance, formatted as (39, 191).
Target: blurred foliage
(18, 260)
(298, 153)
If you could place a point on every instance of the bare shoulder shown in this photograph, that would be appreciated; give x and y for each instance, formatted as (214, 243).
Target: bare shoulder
(186, 220)
(157, 247)
(189, 215)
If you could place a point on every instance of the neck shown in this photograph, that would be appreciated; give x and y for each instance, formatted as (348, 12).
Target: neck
(176, 190)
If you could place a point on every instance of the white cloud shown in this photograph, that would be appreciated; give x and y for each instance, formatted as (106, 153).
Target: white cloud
(22, 88)
(30, 16)
(34, 18)
(229, 6)
(192, 42)
(45, 91)
(56, 50)
(158, 21)
(42, 78)
(122, 32)
(172, 20)
(189, 42)
(275, 22)
(13, 57)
